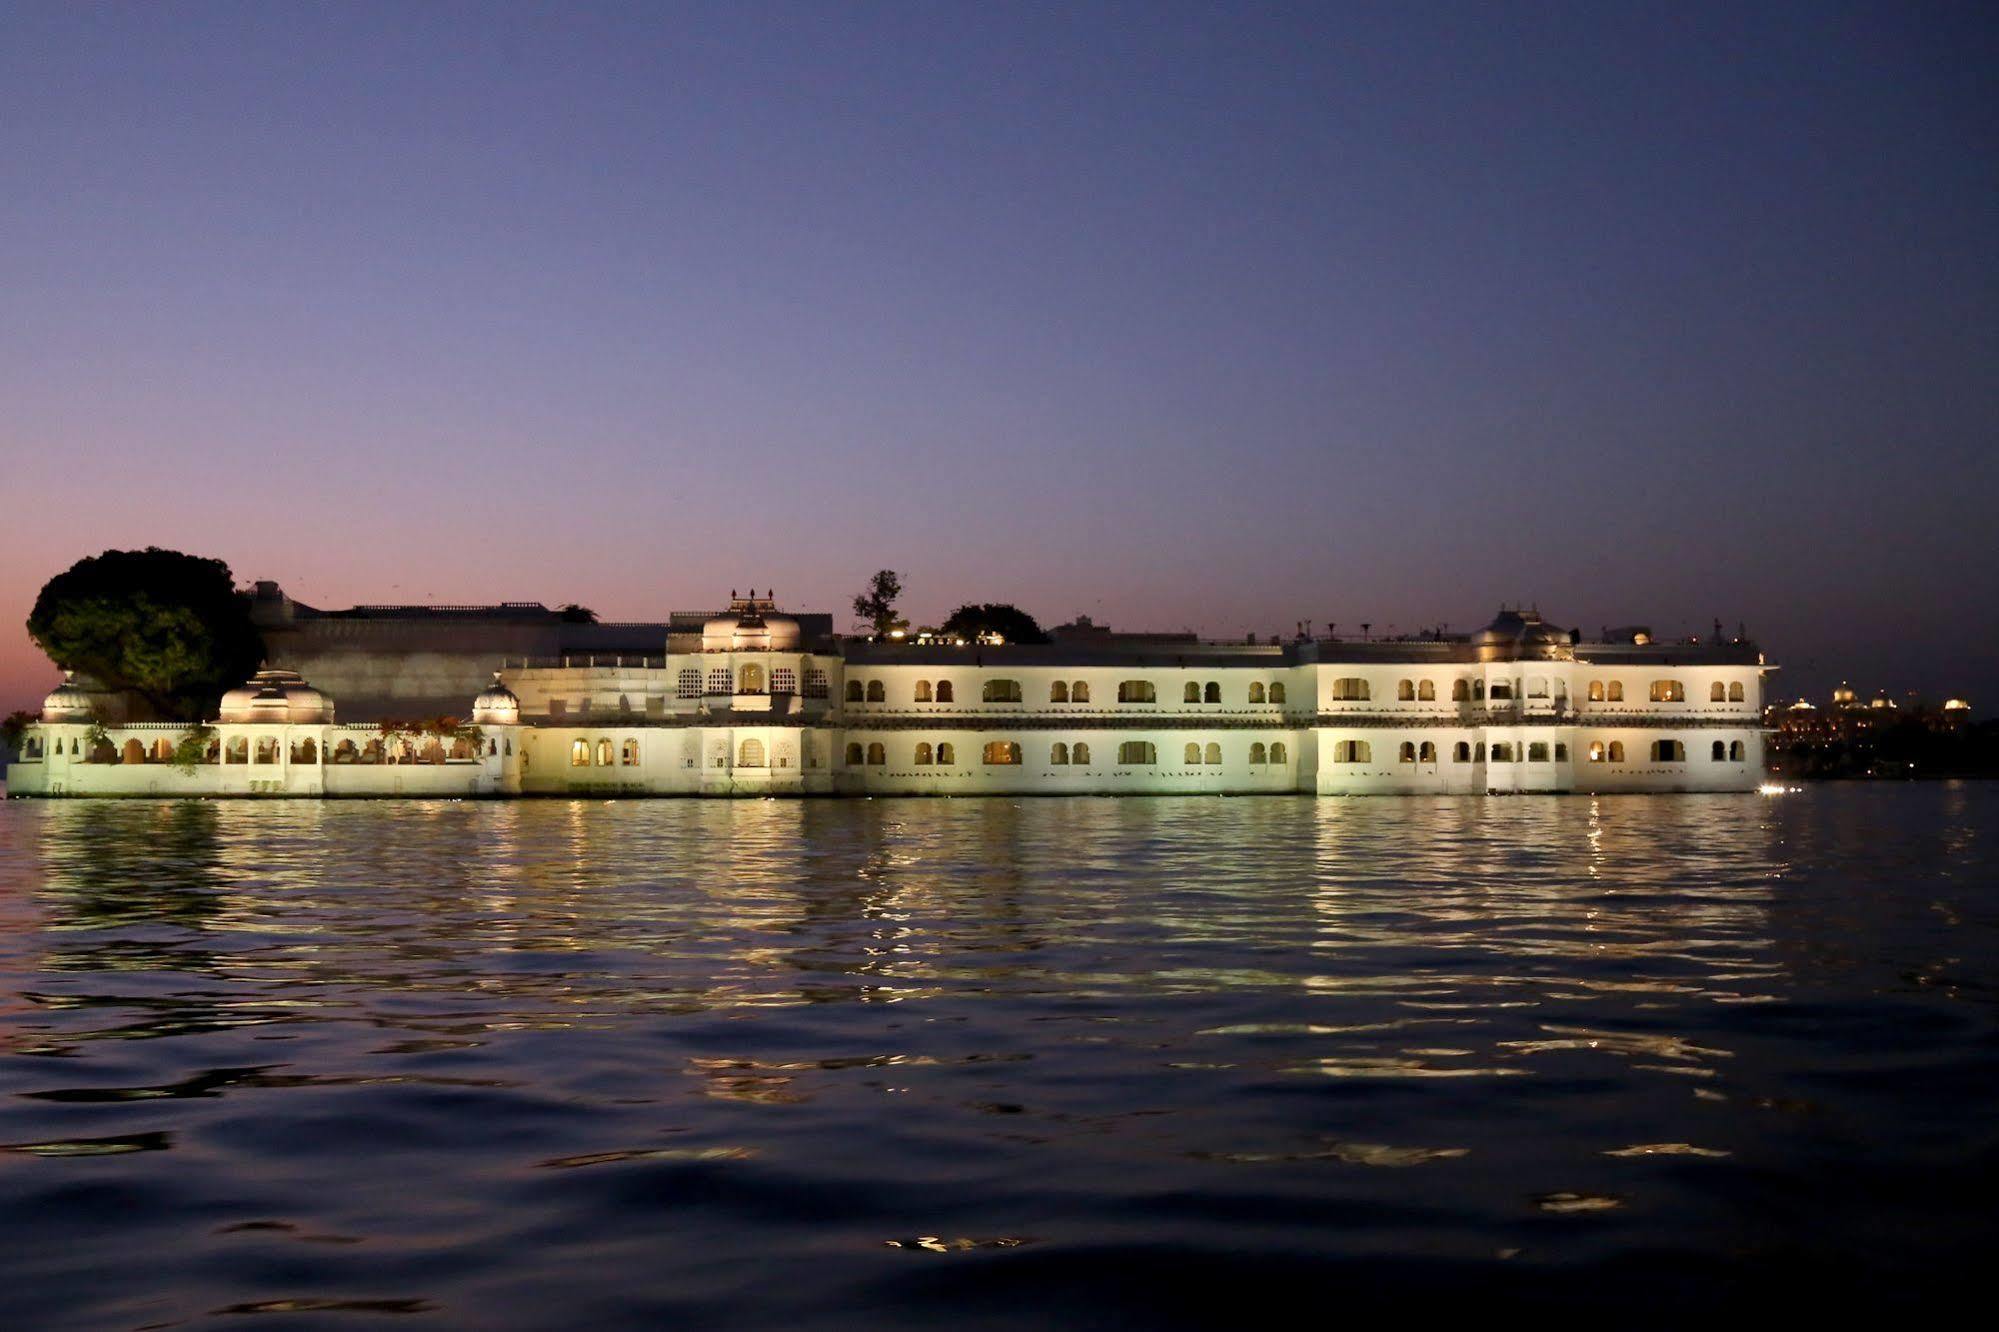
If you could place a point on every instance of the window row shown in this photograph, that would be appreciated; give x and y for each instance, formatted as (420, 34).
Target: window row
(1060, 691)
(749, 678)
(1007, 754)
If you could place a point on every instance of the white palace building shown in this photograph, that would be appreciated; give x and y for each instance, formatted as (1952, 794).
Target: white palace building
(753, 702)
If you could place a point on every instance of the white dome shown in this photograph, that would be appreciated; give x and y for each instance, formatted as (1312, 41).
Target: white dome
(751, 624)
(67, 702)
(276, 697)
(496, 706)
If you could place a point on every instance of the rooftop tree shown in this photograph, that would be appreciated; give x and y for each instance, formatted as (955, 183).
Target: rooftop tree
(168, 627)
(975, 620)
(876, 606)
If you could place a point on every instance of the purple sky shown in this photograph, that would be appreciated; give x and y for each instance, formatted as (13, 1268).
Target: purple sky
(1198, 317)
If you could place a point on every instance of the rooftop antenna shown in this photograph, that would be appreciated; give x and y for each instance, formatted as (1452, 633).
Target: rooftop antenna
(1365, 625)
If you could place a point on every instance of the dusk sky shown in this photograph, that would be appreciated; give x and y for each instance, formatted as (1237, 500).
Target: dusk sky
(1211, 317)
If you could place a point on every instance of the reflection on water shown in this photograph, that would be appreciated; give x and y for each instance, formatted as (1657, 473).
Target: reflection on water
(1102, 1061)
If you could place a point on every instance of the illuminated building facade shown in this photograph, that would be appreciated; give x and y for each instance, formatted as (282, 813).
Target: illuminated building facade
(757, 702)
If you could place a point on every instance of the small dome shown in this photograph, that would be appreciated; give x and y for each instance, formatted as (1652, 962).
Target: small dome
(496, 706)
(751, 624)
(67, 702)
(276, 697)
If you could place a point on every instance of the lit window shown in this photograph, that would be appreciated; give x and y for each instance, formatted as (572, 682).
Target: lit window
(1353, 751)
(1079, 691)
(1192, 694)
(877, 693)
(1058, 754)
(579, 754)
(1735, 692)
(1427, 754)
(1350, 689)
(1405, 691)
(1407, 752)
(750, 679)
(628, 755)
(1426, 691)
(1668, 691)
(1277, 693)
(1596, 751)
(1000, 691)
(922, 691)
(1137, 691)
(1596, 691)
(1256, 692)
(1614, 691)
(1717, 692)
(603, 753)
(1278, 754)
(1193, 752)
(1136, 752)
(1214, 752)
(923, 754)
(1002, 753)
(1058, 692)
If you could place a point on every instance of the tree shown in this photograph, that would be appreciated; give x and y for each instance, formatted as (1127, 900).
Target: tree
(876, 606)
(975, 620)
(575, 614)
(15, 727)
(168, 627)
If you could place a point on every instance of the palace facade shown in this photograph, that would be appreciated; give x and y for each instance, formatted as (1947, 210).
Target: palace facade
(755, 702)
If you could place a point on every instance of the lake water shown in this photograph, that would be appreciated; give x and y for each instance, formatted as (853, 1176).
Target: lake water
(1087, 1062)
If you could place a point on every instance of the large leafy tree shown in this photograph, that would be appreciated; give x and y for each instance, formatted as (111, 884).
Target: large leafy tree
(974, 619)
(876, 606)
(166, 626)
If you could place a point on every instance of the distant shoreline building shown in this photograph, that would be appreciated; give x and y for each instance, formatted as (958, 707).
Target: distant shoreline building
(753, 701)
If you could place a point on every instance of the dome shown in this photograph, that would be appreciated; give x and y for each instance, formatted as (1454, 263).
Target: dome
(751, 624)
(276, 697)
(67, 702)
(1514, 633)
(496, 706)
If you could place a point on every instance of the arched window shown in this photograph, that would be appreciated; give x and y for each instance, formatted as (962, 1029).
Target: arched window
(923, 754)
(135, 752)
(1461, 752)
(1058, 692)
(1614, 691)
(1537, 687)
(1502, 752)
(1080, 753)
(1460, 691)
(1137, 751)
(877, 692)
(603, 753)
(1001, 753)
(1735, 751)
(1350, 689)
(344, 752)
(1718, 751)
(854, 755)
(1136, 691)
(1596, 751)
(1079, 691)
(944, 692)
(749, 754)
(1427, 753)
(1214, 754)
(34, 749)
(1405, 691)
(1717, 692)
(579, 754)
(163, 750)
(1058, 754)
(1502, 692)
(1668, 751)
(1596, 691)
(947, 755)
(922, 691)
(1277, 693)
(1478, 691)
(1668, 691)
(267, 749)
(1735, 692)
(853, 691)
(1213, 693)
(1192, 694)
(1000, 691)
(877, 754)
(1258, 754)
(1426, 691)
(750, 679)
(1617, 751)
(1256, 692)
(1353, 751)
(1537, 752)
(1193, 751)
(1561, 752)
(305, 751)
(1406, 753)
(1278, 754)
